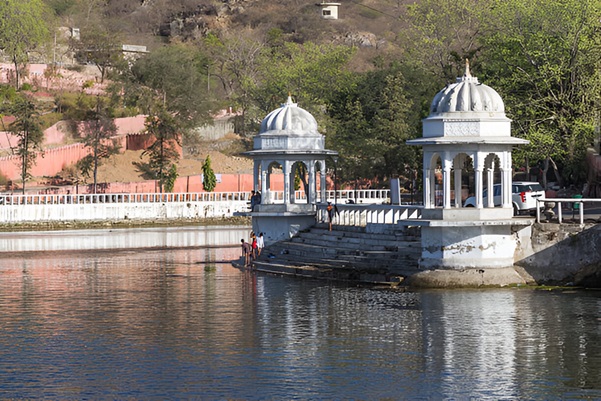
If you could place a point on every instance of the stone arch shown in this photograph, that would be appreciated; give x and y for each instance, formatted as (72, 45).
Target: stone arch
(270, 169)
(437, 180)
(319, 187)
(451, 177)
(302, 171)
(491, 181)
(462, 178)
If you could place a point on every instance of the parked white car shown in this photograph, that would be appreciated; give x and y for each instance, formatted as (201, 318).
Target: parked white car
(523, 197)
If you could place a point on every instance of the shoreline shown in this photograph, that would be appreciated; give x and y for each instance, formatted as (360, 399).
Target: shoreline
(82, 224)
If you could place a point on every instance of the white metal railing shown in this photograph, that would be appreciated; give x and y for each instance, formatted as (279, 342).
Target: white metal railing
(342, 195)
(574, 205)
(43, 199)
(18, 208)
(362, 215)
(361, 196)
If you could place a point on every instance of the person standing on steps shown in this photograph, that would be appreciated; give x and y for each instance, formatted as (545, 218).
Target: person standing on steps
(330, 210)
(254, 247)
(246, 252)
(260, 244)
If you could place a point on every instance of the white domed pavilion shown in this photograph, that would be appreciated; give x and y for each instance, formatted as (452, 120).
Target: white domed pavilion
(467, 146)
(467, 127)
(288, 139)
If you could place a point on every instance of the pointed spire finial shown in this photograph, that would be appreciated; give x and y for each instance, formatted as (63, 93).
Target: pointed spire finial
(468, 74)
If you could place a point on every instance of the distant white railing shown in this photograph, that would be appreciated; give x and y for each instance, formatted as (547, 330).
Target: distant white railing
(343, 196)
(574, 205)
(359, 195)
(18, 208)
(16, 199)
(362, 215)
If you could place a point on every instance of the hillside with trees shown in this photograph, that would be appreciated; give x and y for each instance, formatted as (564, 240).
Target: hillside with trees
(367, 77)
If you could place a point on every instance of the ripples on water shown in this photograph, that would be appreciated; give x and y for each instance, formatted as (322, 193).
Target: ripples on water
(169, 324)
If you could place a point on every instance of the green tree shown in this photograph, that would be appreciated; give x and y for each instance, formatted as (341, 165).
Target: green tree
(544, 57)
(23, 28)
(209, 181)
(165, 149)
(28, 129)
(97, 131)
(100, 46)
(61, 7)
(309, 71)
(171, 178)
(235, 62)
(173, 77)
(370, 122)
(441, 34)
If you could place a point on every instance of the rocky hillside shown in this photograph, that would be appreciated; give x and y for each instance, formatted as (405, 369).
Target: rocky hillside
(368, 24)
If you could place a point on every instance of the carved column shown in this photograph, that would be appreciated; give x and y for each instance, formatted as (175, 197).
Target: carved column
(490, 201)
(457, 177)
(478, 162)
(446, 183)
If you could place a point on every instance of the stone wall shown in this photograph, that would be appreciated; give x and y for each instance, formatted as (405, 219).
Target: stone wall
(562, 254)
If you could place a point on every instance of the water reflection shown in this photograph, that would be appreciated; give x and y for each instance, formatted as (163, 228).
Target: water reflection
(124, 238)
(181, 323)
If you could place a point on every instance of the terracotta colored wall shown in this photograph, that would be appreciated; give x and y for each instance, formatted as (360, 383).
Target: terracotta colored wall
(229, 183)
(52, 136)
(48, 164)
(7, 140)
(55, 159)
(56, 134)
(130, 125)
(143, 141)
(138, 142)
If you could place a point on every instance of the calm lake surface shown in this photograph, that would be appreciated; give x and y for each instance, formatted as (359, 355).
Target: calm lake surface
(152, 314)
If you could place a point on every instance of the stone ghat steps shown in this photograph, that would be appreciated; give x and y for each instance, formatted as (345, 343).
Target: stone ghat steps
(323, 251)
(341, 241)
(345, 253)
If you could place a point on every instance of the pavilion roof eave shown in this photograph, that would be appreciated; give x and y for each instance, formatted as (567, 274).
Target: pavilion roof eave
(294, 152)
(491, 140)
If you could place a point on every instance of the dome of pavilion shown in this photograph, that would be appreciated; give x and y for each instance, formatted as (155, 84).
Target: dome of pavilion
(289, 119)
(467, 95)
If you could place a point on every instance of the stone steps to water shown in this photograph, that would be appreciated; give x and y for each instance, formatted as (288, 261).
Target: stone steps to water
(359, 232)
(354, 243)
(304, 250)
(345, 253)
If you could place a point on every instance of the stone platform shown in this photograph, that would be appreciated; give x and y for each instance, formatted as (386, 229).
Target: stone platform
(391, 258)
(344, 254)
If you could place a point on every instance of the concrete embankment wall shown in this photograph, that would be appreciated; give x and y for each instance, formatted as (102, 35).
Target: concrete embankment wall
(562, 253)
(19, 214)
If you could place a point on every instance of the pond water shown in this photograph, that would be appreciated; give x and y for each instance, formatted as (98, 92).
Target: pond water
(148, 322)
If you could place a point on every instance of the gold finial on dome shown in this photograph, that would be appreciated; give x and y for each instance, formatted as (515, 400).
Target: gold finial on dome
(467, 74)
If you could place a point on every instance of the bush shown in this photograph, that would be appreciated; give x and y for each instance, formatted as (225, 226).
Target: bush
(75, 67)
(48, 120)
